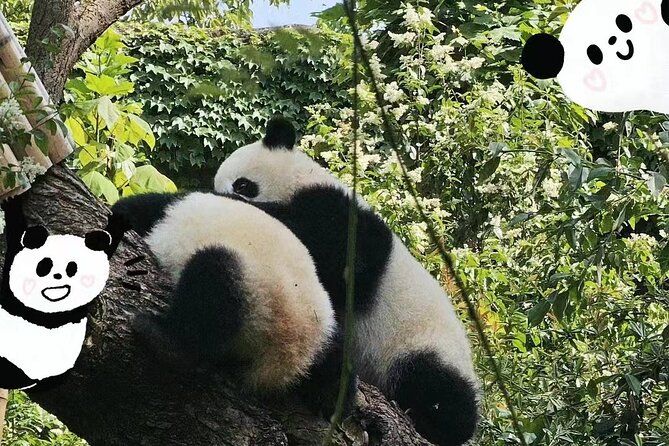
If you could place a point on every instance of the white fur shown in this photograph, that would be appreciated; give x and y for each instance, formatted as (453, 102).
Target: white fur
(278, 173)
(40, 352)
(87, 283)
(413, 312)
(290, 317)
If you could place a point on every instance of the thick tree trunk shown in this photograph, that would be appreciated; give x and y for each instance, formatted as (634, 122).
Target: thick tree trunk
(117, 395)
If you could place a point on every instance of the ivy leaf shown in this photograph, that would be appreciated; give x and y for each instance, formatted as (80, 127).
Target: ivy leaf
(572, 156)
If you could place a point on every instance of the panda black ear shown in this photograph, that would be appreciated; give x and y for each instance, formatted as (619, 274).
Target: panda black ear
(98, 240)
(34, 237)
(543, 56)
(280, 134)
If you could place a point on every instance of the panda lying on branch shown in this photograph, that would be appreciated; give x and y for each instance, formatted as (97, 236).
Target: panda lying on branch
(249, 266)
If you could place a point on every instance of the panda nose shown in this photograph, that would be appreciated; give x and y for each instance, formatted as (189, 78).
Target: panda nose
(57, 276)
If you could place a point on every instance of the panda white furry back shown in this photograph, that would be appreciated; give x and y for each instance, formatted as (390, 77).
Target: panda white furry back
(247, 290)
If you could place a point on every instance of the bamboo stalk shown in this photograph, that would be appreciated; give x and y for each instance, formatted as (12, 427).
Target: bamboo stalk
(4, 396)
(14, 68)
(31, 150)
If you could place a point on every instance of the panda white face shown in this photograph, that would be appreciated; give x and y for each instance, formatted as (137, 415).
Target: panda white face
(59, 273)
(270, 169)
(612, 55)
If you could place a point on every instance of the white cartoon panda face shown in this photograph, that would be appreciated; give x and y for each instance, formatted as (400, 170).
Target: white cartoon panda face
(612, 55)
(59, 273)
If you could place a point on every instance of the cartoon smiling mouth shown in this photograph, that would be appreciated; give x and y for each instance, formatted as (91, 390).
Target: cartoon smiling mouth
(56, 293)
(630, 51)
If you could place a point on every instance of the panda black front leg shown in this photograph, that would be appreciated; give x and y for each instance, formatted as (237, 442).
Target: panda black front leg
(205, 314)
(442, 403)
(141, 212)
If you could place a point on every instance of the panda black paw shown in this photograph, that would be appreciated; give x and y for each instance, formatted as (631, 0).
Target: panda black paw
(161, 345)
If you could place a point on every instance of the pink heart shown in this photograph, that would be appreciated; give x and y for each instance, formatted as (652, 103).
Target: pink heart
(28, 286)
(646, 13)
(88, 281)
(595, 81)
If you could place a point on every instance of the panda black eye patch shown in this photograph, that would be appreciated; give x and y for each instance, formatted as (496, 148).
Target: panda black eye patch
(44, 267)
(245, 187)
(71, 269)
(624, 23)
(595, 54)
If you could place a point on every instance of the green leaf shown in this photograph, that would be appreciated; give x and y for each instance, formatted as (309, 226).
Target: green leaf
(538, 312)
(496, 148)
(488, 169)
(148, 179)
(656, 183)
(520, 218)
(101, 186)
(572, 156)
(634, 384)
(108, 112)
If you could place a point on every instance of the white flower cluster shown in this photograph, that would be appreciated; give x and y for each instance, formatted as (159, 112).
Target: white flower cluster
(29, 170)
(417, 19)
(9, 112)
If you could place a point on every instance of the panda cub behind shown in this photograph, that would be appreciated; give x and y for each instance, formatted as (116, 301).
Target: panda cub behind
(409, 341)
(246, 292)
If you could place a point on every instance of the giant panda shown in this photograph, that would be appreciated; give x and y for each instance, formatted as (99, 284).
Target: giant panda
(409, 340)
(48, 285)
(247, 296)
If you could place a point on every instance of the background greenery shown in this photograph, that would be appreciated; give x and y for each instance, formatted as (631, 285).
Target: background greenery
(558, 216)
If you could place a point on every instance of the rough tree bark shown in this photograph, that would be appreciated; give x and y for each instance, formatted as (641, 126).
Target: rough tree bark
(117, 395)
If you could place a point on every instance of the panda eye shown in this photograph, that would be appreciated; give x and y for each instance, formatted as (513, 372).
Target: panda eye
(624, 23)
(595, 54)
(71, 269)
(44, 267)
(245, 187)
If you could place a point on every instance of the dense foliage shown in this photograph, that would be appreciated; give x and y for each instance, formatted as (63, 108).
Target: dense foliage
(207, 92)
(558, 216)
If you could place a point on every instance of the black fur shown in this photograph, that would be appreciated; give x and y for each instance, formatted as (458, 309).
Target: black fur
(318, 216)
(280, 134)
(320, 390)
(207, 311)
(441, 402)
(665, 11)
(543, 56)
(141, 212)
(12, 376)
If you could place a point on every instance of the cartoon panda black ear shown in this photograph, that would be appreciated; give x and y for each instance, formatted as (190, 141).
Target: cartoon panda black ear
(543, 56)
(34, 237)
(280, 134)
(98, 240)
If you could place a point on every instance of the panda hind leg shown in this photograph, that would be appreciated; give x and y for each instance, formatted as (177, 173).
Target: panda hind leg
(320, 390)
(442, 403)
(205, 314)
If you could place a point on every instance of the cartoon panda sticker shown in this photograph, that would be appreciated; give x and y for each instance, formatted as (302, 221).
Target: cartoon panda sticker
(46, 290)
(612, 55)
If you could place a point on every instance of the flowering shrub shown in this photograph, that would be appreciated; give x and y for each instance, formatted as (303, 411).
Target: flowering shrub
(558, 217)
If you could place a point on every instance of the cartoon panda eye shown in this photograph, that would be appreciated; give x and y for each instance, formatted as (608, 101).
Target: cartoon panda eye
(624, 23)
(71, 269)
(595, 54)
(245, 187)
(44, 267)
